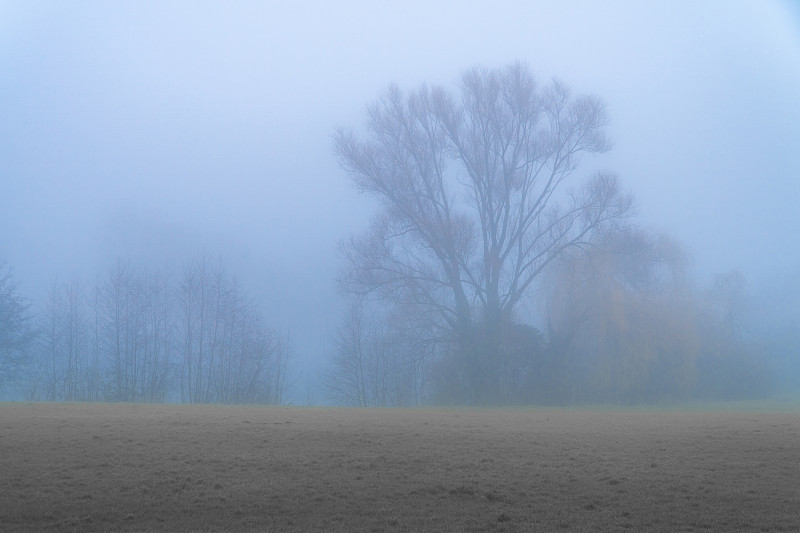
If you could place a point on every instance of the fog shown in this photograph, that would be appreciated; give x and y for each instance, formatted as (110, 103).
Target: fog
(154, 131)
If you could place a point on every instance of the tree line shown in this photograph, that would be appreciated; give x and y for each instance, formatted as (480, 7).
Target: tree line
(138, 335)
(498, 270)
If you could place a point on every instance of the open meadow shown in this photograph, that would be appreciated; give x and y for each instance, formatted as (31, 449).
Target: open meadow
(101, 467)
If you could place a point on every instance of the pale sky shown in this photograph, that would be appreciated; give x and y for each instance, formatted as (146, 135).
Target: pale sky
(155, 129)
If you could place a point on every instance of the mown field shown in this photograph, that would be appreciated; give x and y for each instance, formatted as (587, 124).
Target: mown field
(89, 467)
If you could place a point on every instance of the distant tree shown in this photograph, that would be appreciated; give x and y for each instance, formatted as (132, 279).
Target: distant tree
(16, 330)
(626, 325)
(95, 374)
(136, 339)
(733, 362)
(156, 335)
(112, 343)
(120, 337)
(474, 205)
(623, 321)
(775, 314)
(377, 360)
(228, 354)
(727, 297)
(345, 379)
(61, 369)
(281, 366)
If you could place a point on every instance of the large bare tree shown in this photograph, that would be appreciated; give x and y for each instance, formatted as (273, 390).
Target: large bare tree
(474, 203)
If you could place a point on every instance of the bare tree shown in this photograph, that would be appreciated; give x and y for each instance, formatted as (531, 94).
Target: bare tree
(133, 331)
(47, 370)
(135, 339)
(377, 360)
(95, 375)
(155, 335)
(60, 368)
(195, 303)
(281, 369)
(16, 332)
(345, 379)
(76, 341)
(474, 206)
(229, 355)
(119, 322)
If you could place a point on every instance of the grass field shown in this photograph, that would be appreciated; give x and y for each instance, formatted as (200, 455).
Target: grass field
(96, 467)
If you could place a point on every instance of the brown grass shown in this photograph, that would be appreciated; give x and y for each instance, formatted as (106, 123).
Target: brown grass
(83, 467)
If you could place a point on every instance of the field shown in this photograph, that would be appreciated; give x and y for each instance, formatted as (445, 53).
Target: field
(85, 467)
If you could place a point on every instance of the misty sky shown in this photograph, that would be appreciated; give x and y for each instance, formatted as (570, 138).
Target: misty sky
(152, 130)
